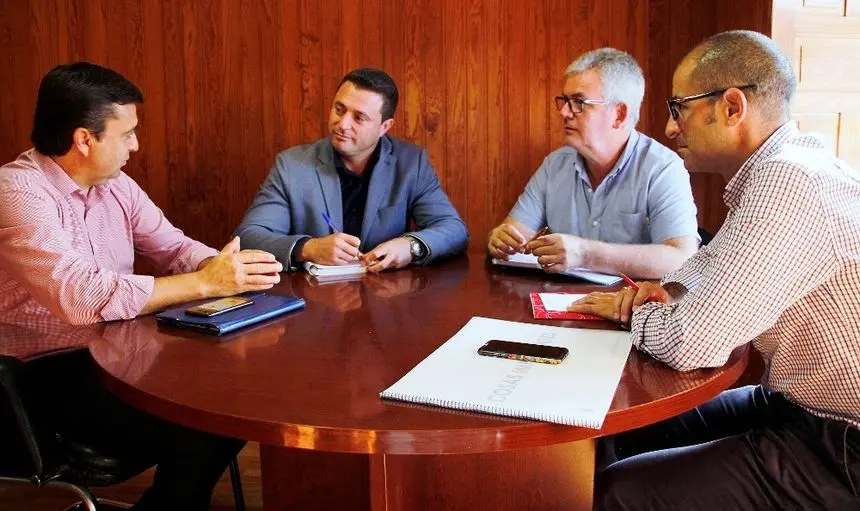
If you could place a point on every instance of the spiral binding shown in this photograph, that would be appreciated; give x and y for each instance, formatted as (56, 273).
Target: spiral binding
(493, 410)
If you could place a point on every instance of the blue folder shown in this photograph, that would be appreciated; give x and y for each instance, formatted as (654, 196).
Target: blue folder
(265, 306)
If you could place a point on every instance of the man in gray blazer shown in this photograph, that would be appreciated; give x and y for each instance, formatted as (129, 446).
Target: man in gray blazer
(351, 196)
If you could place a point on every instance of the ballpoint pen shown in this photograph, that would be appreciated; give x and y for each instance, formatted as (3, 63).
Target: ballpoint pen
(541, 232)
(335, 230)
(328, 221)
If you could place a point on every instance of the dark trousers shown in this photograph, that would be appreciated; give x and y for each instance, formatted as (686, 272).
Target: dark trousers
(746, 449)
(189, 463)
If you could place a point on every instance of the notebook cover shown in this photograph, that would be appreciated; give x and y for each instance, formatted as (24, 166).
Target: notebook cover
(265, 306)
(539, 311)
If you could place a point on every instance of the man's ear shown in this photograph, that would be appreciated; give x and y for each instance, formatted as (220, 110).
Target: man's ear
(736, 106)
(81, 140)
(385, 126)
(621, 114)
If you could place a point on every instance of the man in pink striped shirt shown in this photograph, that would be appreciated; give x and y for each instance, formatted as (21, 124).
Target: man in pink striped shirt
(71, 223)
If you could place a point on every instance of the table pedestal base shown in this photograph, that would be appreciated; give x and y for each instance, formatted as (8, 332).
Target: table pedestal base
(552, 477)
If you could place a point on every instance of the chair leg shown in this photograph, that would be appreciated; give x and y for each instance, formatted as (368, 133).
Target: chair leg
(87, 498)
(236, 481)
(103, 505)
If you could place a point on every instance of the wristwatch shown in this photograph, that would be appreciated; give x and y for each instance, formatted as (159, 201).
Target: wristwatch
(416, 248)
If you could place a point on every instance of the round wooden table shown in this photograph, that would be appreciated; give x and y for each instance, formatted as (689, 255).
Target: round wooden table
(306, 387)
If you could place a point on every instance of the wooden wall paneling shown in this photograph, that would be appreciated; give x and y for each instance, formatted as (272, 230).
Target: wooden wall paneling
(479, 210)
(537, 33)
(516, 142)
(332, 57)
(228, 86)
(496, 113)
(435, 90)
(412, 84)
(371, 33)
(412, 87)
(272, 117)
(559, 56)
(393, 34)
(17, 83)
(288, 28)
(310, 64)
(454, 174)
(149, 54)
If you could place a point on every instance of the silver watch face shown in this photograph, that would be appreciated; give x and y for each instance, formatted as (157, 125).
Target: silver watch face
(415, 247)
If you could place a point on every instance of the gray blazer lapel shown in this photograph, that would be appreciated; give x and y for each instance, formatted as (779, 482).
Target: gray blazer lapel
(330, 186)
(379, 187)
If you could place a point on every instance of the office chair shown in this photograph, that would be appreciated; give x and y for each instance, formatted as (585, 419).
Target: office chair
(49, 458)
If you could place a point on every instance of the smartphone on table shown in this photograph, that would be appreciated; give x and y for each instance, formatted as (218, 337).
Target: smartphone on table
(219, 306)
(523, 351)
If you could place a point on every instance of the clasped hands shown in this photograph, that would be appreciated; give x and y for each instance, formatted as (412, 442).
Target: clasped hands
(556, 253)
(341, 248)
(619, 306)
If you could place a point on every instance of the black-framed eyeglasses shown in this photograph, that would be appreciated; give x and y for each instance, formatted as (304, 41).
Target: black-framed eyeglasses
(576, 104)
(675, 103)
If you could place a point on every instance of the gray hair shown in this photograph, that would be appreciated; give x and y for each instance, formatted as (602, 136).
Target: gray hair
(743, 57)
(621, 77)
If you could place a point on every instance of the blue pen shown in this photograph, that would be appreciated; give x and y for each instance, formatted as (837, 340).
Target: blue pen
(329, 222)
(334, 229)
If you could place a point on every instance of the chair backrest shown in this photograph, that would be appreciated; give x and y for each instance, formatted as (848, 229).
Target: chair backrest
(705, 236)
(21, 439)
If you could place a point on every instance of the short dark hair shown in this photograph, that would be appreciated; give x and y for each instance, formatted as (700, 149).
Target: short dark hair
(378, 81)
(744, 57)
(78, 95)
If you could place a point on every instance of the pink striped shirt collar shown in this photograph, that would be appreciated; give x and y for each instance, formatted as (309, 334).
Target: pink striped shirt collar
(60, 178)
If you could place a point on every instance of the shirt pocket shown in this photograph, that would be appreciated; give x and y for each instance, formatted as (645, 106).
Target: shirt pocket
(629, 228)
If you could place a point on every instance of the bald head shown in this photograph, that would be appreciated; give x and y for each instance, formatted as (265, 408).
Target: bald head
(743, 57)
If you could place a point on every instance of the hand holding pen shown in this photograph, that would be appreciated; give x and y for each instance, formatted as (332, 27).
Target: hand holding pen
(541, 232)
(335, 249)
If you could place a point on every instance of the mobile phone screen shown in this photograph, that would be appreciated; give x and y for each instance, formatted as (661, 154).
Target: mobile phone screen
(216, 307)
(523, 351)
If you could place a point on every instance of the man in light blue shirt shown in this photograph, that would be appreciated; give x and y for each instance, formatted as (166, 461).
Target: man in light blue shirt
(614, 200)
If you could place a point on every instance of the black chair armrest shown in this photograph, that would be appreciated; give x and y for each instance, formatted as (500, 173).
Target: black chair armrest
(11, 370)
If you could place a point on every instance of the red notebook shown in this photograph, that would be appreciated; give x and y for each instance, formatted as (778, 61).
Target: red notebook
(540, 311)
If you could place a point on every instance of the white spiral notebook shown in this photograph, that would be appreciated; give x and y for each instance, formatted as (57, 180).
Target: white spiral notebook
(325, 272)
(530, 261)
(577, 392)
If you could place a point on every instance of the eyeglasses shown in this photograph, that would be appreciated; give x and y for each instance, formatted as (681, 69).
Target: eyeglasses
(675, 103)
(576, 104)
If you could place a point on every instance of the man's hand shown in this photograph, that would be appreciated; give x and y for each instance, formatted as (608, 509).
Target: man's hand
(341, 296)
(335, 249)
(391, 254)
(619, 306)
(395, 284)
(505, 240)
(233, 271)
(558, 252)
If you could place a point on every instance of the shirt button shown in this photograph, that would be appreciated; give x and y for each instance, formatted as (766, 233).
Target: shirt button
(594, 223)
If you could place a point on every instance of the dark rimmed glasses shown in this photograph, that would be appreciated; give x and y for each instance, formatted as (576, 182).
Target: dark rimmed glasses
(675, 103)
(576, 104)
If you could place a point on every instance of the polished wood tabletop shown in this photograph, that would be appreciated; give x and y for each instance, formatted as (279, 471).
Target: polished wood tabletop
(311, 379)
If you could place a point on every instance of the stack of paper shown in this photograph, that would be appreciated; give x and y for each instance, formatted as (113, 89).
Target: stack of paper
(530, 261)
(324, 272)
(577, 392)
